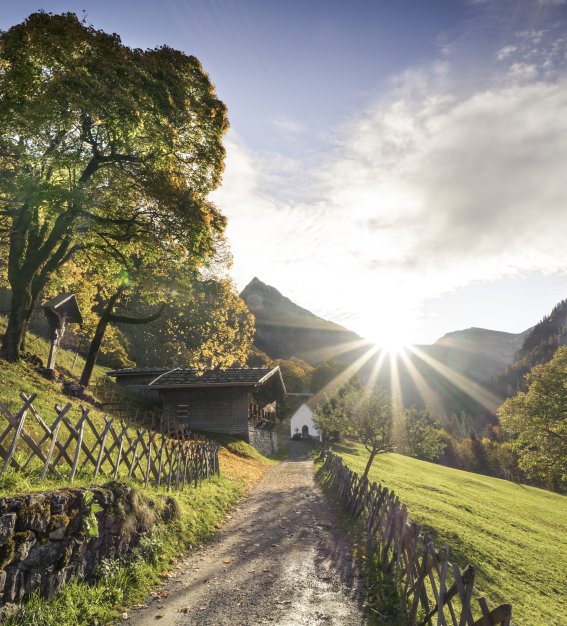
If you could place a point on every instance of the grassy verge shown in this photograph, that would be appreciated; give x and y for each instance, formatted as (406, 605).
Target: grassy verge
(381, 603)
(513, 534)
(122, 583)
(125, 582)
(23, 376)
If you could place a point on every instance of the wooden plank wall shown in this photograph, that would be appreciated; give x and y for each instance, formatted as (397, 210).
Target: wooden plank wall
(212, 410)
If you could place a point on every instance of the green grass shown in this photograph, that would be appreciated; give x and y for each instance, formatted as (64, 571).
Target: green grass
(514, 535)
(128, 581)
(22, 376)
(16, 378)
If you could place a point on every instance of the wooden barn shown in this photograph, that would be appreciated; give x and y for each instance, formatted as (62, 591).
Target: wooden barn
(138, 379)
(236, 401)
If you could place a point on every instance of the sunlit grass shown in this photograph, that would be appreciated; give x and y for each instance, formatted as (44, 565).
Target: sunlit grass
(128, 581)
(513, 534)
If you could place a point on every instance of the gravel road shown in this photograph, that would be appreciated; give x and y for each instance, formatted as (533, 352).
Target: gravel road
(280, 559)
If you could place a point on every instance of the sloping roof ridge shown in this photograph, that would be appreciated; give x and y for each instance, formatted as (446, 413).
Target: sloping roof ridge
(270, 374)
(58, 300)
(223, 369)
(136, 370)
(164, 374)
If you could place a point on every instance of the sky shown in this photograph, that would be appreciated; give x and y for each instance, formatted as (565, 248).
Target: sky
(395, 166)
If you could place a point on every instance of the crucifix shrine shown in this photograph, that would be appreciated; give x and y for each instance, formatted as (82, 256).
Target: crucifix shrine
(59, 312)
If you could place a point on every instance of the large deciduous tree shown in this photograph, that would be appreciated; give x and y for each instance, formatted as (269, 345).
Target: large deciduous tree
(98, 144)
(206, 324)
(537, 421)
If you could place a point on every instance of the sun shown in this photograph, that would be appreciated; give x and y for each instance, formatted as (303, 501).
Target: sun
(389, 328)
(393, 346)
(394, 341)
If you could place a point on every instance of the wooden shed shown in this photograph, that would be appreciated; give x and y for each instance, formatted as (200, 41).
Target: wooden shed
(137, 379)
(235, 401)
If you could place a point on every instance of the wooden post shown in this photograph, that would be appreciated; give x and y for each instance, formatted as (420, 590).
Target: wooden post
(160, 466)
(80, 428)
(119, 456)
(102, 444)
(17, 434)
(55, 432)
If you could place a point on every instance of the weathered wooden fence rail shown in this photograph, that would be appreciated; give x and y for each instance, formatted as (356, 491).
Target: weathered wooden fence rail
(116, 449)
(433, 591)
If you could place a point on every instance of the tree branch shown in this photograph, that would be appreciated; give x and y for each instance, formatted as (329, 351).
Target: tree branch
(124, 319)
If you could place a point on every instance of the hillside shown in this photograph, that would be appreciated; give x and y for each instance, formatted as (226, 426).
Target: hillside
(445, 368)
(539, 345)
(478, 352)
(451, 376)
(284, 329)
(509, 543)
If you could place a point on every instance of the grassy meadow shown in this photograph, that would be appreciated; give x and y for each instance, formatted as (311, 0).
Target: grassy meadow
(126, 581)
(514, 535)
(18, 377)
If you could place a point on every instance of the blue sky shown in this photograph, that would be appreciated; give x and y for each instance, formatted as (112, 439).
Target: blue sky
(395, 166)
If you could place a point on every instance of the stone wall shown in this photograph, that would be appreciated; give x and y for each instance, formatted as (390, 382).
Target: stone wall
(264, 440)
(43, 539)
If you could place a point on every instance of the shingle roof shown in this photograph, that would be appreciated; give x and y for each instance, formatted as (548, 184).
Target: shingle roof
(138, 371)
(65, 303)
(189, 377)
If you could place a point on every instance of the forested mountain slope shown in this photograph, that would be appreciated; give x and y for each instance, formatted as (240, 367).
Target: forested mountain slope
(538, 347)
(284, 329)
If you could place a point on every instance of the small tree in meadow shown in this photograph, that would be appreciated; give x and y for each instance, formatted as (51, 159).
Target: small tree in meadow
(364, 415)
(423, 439)
(371, 423)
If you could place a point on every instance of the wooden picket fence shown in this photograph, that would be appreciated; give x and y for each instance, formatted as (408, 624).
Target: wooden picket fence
(113, 400)
(113, 450)
(432, 590)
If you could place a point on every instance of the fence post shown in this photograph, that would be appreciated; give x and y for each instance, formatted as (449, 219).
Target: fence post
(22, 413)
(81, 428)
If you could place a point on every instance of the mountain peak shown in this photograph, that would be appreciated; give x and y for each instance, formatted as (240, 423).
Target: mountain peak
(285, 329)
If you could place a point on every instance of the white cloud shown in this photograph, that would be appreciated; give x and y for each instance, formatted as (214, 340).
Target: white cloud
(288, 126)
(505, 52)
(428, 190)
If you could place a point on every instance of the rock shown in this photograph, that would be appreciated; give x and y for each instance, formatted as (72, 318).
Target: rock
(43, 544)
(7, 525)
(23, 543)
(43, 555)
(57, 535)
(34, 514)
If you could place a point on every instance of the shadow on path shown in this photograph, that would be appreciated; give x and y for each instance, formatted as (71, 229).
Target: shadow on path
(280, 559)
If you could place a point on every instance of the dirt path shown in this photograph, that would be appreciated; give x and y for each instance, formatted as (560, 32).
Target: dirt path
(279, 560)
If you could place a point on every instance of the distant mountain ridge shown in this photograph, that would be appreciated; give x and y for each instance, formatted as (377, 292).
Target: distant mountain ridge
(479, 352)
(284, 329)
(467, 371)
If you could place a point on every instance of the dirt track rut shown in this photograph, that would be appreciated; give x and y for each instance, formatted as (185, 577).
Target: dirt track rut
(280, 559)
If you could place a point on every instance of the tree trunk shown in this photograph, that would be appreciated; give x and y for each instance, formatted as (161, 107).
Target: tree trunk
(20, 311)
(107, 318)
(96, 343)
(369, 464)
